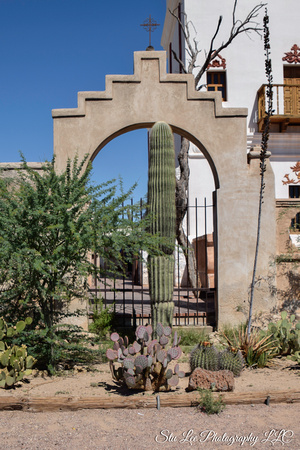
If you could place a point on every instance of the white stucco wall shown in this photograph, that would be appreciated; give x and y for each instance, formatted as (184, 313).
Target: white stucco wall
(245, 68)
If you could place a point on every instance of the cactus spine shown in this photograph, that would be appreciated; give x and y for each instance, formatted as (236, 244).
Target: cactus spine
(205, 357)
(233, 361)
(161, 204)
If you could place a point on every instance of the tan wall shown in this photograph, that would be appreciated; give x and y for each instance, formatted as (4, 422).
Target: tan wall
(288, 266)
(150, 95)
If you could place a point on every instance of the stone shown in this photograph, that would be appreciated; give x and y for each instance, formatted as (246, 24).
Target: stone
(220, 380)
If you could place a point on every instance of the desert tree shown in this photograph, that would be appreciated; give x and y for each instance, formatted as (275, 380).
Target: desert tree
(246, 25)
(50, 224)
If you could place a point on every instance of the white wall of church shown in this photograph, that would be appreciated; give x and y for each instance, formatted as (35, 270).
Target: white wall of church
(245, 68)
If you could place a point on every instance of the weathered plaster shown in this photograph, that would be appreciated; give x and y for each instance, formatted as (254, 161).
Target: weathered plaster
(138, 101)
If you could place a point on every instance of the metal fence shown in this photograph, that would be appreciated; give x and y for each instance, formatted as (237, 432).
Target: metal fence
(128, 296)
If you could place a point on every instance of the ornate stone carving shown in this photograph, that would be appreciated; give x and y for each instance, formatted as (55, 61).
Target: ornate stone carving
(217, 62)
(293, 56)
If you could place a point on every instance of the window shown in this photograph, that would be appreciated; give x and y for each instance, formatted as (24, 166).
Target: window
(294, 191)
(295, 223)
(216, 81)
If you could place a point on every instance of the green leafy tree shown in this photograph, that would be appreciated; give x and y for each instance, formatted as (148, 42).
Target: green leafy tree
(49, 224)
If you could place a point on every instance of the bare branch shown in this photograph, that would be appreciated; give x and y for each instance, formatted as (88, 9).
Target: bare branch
(192, 51)
(181, 63)
(211, 54)
(238, 27)
(191, 47)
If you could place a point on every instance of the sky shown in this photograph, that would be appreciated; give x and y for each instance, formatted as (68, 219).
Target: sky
(50, 50)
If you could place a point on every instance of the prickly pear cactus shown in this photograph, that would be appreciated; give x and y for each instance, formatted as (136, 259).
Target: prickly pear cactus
(205, 357)
(144, 364)
(161, 204)
(14, 361)
(233, 361)
(286, 334)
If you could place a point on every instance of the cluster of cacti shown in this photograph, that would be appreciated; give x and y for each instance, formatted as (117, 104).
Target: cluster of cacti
(144, 364)
(162, 210)
(231, 360)
(286, 334)
(14, 361)
(206, 356)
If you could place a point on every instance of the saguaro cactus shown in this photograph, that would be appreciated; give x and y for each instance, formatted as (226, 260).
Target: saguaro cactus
(161, 203)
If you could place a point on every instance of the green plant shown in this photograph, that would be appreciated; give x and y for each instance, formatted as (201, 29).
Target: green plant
(50, 223)
(286, 334)
(205, 356)
(144, 364)
(102, 319)
(15, 363)
(295, 357)
(60, 348)
(192, 336)
(210, 404)
(161, 206)
(231, 360)
(256, 349)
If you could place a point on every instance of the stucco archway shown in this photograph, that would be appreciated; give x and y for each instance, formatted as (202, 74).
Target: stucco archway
(149, 95)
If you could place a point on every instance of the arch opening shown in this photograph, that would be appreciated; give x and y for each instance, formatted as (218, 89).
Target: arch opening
(176, 130)
(199, 223)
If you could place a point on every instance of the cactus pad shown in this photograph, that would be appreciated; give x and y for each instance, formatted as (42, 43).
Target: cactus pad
(167, 331)
(173, 381)
(173, 352)
(140, 332)
(163, 341)
(161, 355)
(128, 363)
(142, 361)
(144, 364)
(139, 369)
(149, 329)
(130, 381)
(169, 374)
(114, 337)
(111, 354)
(159, 330)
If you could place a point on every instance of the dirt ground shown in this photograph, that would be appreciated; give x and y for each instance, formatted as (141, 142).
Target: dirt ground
(247, 426)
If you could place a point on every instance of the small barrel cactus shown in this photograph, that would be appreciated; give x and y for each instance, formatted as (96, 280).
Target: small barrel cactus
(233, 361)
(205, 357)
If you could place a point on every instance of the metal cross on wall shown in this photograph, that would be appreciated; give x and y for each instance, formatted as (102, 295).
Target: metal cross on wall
(150, 25)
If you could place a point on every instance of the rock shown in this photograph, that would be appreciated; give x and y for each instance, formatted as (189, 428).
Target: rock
(220, 380)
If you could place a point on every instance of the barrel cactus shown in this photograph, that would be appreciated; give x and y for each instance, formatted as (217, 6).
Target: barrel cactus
(161, 206)
(232, 360)
(205, 356)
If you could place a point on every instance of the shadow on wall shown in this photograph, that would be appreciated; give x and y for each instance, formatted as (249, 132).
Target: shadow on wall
(288, 285)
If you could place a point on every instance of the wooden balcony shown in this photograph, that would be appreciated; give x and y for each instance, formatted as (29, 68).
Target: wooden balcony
(286, 105)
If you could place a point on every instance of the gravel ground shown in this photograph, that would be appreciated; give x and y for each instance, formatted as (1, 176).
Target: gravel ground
(259, 426)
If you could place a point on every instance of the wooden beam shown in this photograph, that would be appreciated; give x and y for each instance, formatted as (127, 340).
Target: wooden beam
(40, 404)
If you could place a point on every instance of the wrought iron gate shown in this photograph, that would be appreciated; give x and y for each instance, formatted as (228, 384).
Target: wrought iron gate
(129, 298)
